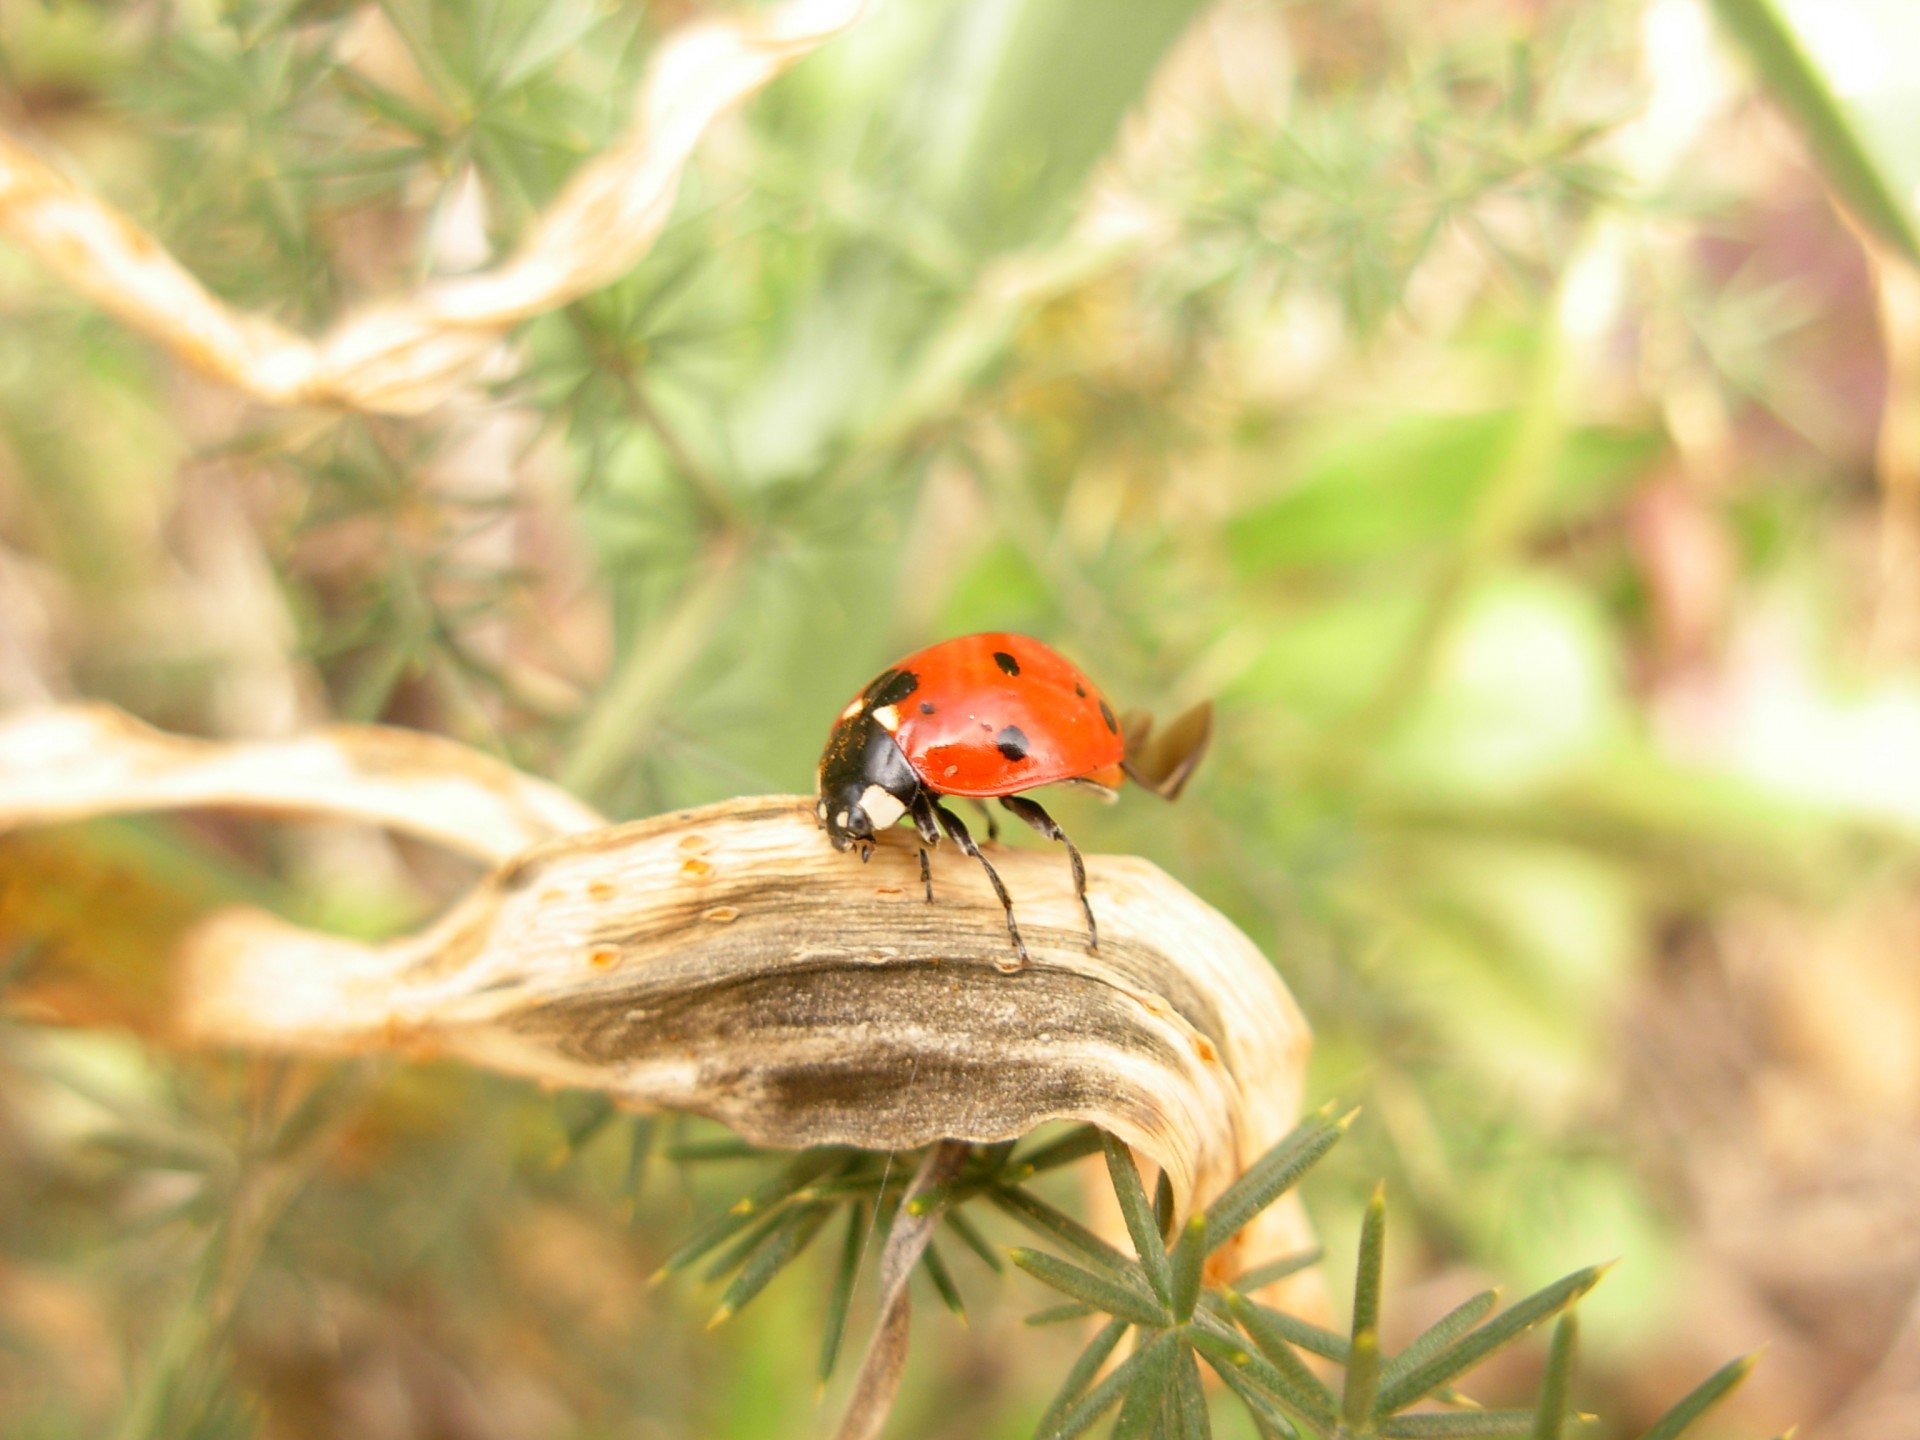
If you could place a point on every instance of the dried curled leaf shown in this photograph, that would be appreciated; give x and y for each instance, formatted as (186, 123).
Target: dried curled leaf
(84, 760)
(727, 961)
(406, 357)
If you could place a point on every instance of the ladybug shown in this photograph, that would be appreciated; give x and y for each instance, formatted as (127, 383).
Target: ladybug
(988, 717)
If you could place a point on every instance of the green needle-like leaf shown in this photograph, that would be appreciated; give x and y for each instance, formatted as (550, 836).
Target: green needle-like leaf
(1273, 1174)
(992, 1159)
(746, 1211)
(1138, 1213)
(1271, 1343)
(780, 1251)
(1268, 1418)
(1315, 1339)
(695, 1151)
(840, 1297)
(1189, 1260)
(1442, 1333)
(583, 1119)
(1147, 1395)
(970, 1235)
(1363, 1380)
(1102, 1398)
(934, 1197)
(1187, 1406)
(942, 1197)
(839, 1187)
(1363, 1363)
(1262, 1276)
(1081, 1375)
(1550, 1411)
(942, 1278)
(1445, 1425)
(1060, 1314)
(1474, 1347)
(1230, 1351)
(1702, 1398)
(1372, 1261)
(1122, 1301)
(736, 1254)
(1036, 1214)
(1068, 1148)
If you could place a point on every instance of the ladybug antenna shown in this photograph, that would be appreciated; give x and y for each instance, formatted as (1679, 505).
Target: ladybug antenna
(1164, 763)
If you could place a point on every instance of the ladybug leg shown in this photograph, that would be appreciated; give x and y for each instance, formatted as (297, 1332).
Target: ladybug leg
(993, 825)
(951, 823)
(1031, 812)
(922, 812)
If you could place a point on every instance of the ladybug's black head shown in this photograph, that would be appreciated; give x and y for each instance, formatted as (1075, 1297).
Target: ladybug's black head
(865, 783)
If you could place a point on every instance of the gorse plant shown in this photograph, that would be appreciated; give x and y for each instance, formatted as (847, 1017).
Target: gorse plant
(1268, 1358)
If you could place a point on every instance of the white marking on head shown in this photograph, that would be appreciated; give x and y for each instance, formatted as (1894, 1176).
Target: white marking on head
(882, 808)
(854, 707)
(889, 718)
(822, 808)
(841, 820)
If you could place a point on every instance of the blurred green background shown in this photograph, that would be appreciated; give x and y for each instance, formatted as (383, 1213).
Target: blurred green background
(1487, 403)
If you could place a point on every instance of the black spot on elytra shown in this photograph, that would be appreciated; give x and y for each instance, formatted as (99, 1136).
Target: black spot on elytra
(1106, 714)
(1006, 662)
(1079, 689)
(1012, 743)
(926, 707)
(890, 687)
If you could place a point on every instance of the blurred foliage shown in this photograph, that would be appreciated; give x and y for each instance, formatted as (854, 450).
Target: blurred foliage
(1479, 401)
(1859, 145)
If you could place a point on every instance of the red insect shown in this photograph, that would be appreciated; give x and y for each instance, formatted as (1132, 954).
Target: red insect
(988, 716)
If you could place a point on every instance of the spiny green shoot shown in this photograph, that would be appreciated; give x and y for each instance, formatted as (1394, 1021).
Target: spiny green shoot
(1162, 1306)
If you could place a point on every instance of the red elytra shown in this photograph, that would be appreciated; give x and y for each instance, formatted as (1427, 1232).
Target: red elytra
(996, 714)
(986, 716)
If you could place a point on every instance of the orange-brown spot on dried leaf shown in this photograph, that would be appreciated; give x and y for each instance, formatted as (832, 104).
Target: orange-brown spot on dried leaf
(695, 844)
(696, 869)
(888, 892)
(721, 914)
(603, 957)
(1203, 1047)
(602, 890)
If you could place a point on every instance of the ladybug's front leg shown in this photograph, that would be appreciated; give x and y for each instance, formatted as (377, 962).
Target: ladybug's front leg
(1030, 811)
(951, 823)
(922, 812)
